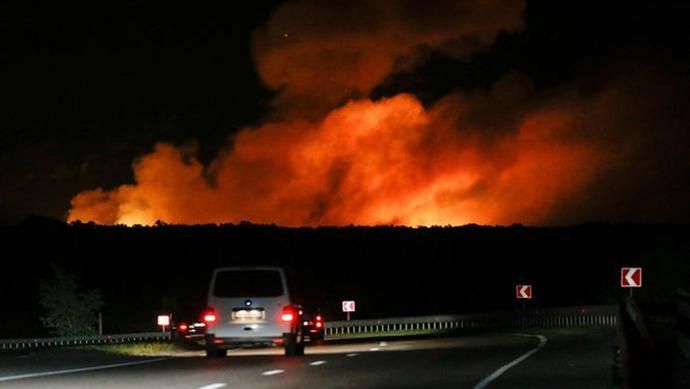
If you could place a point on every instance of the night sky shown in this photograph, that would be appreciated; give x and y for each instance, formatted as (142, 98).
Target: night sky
(86, 92)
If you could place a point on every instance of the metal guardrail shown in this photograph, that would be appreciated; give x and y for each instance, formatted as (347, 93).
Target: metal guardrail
(533, 318)
(31, 343)
(550, 318)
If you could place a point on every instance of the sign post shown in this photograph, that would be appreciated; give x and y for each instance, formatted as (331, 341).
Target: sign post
(348, 306)
(631, 278)
(163, 321)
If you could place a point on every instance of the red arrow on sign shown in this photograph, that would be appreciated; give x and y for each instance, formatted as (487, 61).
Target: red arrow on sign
(523, 291)
(631, 277)
(348, 306)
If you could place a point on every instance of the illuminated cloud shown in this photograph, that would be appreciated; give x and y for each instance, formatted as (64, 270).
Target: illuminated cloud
(319, 54)
(329, 155)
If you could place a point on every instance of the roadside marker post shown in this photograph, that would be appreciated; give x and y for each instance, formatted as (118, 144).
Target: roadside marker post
(523, 292)
(164, 321)
(631, 278)
(348, 306)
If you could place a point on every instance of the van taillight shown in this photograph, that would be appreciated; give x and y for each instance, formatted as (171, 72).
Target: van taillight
(209, 315)
(288, 313)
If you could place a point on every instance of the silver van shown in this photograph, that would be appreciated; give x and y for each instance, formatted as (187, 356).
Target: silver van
(249, 307)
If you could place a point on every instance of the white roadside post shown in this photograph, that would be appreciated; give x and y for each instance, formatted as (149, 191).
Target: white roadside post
(348, 306)
(523, 292)
(631, 278)
(164, 321)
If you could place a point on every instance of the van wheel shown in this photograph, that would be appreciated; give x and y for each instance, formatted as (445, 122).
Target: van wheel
(300, 348)
(215, 352)
(293, 346)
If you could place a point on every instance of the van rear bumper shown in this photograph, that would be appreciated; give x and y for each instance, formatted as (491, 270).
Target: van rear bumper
(237, 342)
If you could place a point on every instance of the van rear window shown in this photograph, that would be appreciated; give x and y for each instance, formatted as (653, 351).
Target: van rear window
(248, 283)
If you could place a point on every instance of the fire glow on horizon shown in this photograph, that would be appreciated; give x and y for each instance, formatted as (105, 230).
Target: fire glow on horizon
(363, 162)
(369, 163)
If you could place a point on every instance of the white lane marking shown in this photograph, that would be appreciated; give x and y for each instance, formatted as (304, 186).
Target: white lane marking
(374, 349)
(273, 372)
(352, 355)
(78, 370)
(486, 381)
(317, 363)
(383, 344)
(213, 386)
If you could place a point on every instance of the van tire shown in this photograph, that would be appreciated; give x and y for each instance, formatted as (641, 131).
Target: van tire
(215, 352)
(292, 346)
(300, 348)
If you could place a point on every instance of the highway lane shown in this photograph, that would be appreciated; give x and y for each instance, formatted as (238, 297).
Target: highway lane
(570, 359)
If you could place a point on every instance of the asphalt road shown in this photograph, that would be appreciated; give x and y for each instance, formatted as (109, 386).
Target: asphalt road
(549, 359)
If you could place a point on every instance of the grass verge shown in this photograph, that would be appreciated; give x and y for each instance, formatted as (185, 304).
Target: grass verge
(141, 349)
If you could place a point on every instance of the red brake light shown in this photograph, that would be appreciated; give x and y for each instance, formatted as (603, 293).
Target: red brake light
(288, 313)
(183, 327)
(319, 324)
(319, 318)
(209, 316)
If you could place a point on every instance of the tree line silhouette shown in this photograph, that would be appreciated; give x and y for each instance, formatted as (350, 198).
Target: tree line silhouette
(143, 271)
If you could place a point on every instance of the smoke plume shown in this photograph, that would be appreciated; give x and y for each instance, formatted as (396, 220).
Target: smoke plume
(330, 155)
(319, 54)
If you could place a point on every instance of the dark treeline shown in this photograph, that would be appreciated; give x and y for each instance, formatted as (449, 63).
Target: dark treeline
(388, 270)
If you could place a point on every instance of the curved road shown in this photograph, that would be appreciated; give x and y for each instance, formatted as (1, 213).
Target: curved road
(569, 359)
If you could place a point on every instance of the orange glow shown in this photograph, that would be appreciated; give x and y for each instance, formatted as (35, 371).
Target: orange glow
(367, 163)
(339, 50)
(499, 156)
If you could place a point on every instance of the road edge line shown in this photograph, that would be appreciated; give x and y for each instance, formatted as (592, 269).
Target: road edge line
(78, 370)
(269, 373)
(213, 386)
(498, 372)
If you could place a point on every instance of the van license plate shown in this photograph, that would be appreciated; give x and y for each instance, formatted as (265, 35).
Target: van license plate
(248, 314)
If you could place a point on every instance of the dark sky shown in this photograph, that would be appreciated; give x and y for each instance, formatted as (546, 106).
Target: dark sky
(83, 92)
